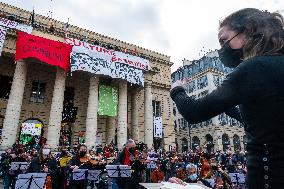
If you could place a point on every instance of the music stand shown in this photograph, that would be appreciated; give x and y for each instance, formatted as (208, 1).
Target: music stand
(119, 171)
(93, 175)
(19, 167)
(80, 174)
(31, 181)
(237, 178)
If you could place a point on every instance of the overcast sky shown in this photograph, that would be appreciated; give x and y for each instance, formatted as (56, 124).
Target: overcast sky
(178, 28)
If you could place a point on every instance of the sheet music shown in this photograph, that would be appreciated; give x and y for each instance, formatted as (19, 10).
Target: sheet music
(93, 174)
(79, 174)
(37, 181)
(125, 170)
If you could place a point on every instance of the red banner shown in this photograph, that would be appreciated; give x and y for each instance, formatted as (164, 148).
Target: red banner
(51, 52)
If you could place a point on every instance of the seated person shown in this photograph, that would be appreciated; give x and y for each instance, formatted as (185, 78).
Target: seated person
(192, 177)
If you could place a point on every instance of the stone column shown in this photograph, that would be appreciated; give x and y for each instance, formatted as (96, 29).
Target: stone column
(122, 115)
(111, 125)
(148, 112)
(13, 111)
(134, 117)
(56, 109)
(92, 110)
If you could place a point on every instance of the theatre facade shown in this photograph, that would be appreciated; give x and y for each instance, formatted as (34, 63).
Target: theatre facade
(89, 102)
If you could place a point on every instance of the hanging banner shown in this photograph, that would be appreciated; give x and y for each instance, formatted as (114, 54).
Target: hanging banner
(51, 52)
(108, 54)
(108, 100)
(99, 60)
(15, 25)
(31, 129)
(158, 127)
(2, 37)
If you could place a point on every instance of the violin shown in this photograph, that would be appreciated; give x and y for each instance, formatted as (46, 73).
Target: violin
(87, 159)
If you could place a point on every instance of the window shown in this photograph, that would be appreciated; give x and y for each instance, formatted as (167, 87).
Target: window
(237, 142)
(195, 142)
(156, 108)
(225, 142)
(182, 123)
(38, 90)
(5, 83)
(69, 94)
(191, 87)
(202, 82)
(69, 111)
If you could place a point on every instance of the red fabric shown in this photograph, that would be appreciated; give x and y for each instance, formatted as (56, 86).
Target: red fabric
(51, 52)
(126, 159)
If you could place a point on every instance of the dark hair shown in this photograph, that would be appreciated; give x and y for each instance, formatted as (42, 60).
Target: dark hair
(264, 31)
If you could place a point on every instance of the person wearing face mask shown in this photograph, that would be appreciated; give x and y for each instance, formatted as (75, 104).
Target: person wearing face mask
(126, 157)
(253, 43)
(45, 163)
(79, 161)
(192, 177)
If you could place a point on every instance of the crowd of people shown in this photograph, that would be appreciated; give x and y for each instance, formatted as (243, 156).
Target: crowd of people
(212, 169)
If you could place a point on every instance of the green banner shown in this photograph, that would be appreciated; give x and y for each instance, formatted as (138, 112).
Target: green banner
(108, 100)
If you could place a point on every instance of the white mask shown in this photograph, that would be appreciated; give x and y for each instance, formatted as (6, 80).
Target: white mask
(45, 151)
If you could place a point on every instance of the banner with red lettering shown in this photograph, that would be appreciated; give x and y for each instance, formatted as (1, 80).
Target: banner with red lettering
(102, 61)
(51, 52)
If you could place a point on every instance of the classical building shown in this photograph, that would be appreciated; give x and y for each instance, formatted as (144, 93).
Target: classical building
(219, 133)
(64, 106)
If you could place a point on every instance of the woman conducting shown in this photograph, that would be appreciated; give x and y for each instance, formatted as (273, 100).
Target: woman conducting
(252, 42)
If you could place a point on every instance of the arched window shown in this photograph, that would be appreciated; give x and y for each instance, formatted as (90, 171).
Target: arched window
(184, 144)
(209, 143)
(225, 141)
(237, 142)
(195, 142)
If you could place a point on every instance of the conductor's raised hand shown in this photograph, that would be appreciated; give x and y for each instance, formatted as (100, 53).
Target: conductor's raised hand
(178, 83)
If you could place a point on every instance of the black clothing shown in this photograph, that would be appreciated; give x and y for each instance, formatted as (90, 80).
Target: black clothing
(80, 184)
(37, 166)
(257, 86)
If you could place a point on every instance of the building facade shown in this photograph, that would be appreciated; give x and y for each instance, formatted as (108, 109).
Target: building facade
(219, 133)
(65, 106)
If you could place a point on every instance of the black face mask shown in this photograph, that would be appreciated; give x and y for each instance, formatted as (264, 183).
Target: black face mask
(82, 153)
(230, 57)
(64, 153)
